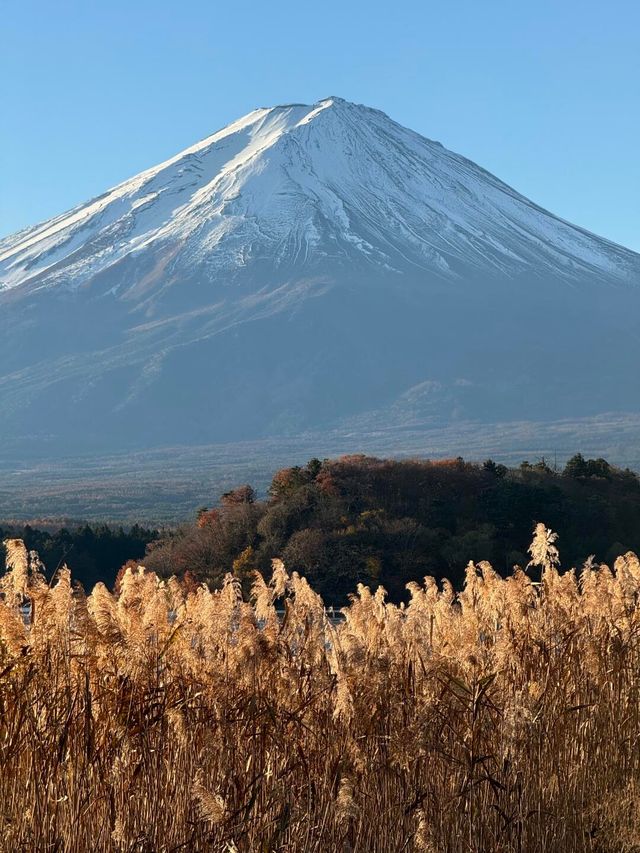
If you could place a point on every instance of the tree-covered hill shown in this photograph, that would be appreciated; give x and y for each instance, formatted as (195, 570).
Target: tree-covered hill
(361, 519)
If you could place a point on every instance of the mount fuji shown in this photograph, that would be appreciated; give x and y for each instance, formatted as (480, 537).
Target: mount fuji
(308, 268)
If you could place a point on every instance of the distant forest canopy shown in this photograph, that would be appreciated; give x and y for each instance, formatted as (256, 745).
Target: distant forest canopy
(92, 552)
(359, 519)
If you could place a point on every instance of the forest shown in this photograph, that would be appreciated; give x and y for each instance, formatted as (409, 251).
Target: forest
(359, 519)
(93, 552)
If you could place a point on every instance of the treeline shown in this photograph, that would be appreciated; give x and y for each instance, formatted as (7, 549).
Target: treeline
(92, 552)
(359, 519)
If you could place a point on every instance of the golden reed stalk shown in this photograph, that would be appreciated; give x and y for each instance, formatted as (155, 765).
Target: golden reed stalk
(504, 718)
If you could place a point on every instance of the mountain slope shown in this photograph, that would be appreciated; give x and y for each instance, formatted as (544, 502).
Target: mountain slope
(304, 266)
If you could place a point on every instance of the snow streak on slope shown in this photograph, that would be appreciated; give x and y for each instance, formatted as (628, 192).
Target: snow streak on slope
(302, 186)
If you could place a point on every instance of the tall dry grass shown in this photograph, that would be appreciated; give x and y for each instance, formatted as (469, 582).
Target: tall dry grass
(504, 718)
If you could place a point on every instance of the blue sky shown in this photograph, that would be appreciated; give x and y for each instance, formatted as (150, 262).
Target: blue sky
(546, 95)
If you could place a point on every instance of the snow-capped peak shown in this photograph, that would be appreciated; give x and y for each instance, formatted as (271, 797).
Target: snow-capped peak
(303, 186)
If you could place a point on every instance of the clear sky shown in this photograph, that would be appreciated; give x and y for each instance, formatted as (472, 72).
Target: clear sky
(544, 93)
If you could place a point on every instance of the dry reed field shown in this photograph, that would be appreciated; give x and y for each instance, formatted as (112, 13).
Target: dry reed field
(161, 718)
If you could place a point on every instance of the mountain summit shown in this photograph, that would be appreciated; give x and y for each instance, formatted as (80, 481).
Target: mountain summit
(303, 268)
(299, 186)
